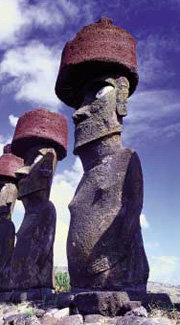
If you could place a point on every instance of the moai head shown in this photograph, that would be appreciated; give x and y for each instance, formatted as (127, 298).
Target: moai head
(98, 72)
(9, 164)
(41, 139)
(102, 109)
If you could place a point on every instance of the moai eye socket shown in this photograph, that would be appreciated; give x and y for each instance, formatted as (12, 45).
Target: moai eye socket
(103, 91)
(3, 188)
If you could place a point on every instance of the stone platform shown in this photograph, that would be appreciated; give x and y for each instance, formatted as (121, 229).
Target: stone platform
(105, 303)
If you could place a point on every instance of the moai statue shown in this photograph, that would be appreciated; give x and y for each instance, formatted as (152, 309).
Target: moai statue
(9, 164)
(105, 247)
(41, 139)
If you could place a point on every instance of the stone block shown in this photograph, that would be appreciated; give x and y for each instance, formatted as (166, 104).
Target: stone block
(105, 303)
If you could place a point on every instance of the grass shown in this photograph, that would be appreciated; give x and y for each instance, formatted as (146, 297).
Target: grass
(156, 311)
(29, 312)
(62, 282)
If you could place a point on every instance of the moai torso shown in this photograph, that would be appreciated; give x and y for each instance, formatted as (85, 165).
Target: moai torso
(32, 261)
(8, 194)
(105, 247)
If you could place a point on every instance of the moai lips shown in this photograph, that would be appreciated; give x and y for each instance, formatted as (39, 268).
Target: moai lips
(98, 49)
(105, 249)
(9, 164)
(41, 137)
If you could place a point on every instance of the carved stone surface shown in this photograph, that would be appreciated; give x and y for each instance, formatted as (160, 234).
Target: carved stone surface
(32, 261)
(105, 250)
(105, 247)
(104, 303)
(8, 194)
(97, 49)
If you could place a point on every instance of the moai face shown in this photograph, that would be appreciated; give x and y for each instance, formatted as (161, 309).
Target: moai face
(102, 110)
(8, 195)
(37, 173)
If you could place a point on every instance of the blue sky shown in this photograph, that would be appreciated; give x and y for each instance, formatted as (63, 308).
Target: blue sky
(32, 35)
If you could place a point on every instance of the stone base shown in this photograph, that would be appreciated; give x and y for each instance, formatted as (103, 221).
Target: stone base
(106, 303)
(43, 296)
(29, 295)
(124, 289)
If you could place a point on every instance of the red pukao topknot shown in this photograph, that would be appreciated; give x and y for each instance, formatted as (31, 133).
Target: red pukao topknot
(97, 49)
(37, 127)
(9, 164)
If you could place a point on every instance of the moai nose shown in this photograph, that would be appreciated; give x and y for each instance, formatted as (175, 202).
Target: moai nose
(80, 116)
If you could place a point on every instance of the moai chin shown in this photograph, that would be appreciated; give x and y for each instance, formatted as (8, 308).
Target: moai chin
(105, 248)
(41, 139)
(9, 164)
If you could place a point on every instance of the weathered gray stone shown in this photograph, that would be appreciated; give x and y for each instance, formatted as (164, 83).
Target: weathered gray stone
(131, 320)
(61, 313)
(71, 320)
(39, 313)
(159, 321)
(32, 260)
(32, 321)
(96, 323)
(104, 303)
(16, 319)
(94, 318)
(140, 311)
(8, 195)
(99, 319)
(49, 320)
(9, 163)
(40, 138)
(105, 247)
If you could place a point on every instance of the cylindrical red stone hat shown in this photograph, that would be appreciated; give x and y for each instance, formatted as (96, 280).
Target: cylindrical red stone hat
(40, 126)
(97, 49)
(9, 164)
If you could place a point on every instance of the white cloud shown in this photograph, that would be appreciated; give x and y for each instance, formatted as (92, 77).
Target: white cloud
(31, 73)
(17, 17)
(152, 60)
(62, 192)
(13, 120)
(11, 21)
(143, 221)
(164, 269)
(151, 116)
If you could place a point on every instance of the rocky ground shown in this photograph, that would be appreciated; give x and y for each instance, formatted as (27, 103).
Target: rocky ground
(164, 310)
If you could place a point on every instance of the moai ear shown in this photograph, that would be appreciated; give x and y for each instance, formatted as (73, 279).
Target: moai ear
(122, 93)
